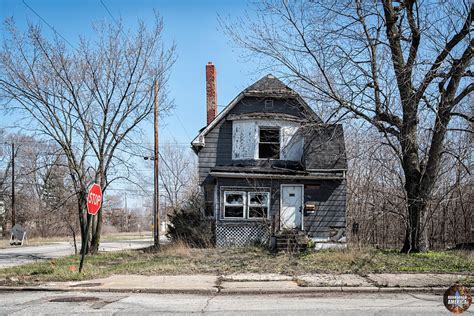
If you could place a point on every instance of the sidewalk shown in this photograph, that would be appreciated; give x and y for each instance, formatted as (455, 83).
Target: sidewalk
(258, 284)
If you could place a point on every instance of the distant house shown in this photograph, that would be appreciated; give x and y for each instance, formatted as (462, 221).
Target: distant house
(267, 160)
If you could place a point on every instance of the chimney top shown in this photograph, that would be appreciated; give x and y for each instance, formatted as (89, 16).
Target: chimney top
(211, 94)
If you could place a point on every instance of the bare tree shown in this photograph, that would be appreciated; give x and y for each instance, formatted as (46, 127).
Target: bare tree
(177, 173)
(44, 193)
(403, 67)
(376, 210)
(89, 99)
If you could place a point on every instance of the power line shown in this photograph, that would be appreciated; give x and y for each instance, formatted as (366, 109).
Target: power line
(181, 123)
(164, 161)
(108, 11)
(46, 22)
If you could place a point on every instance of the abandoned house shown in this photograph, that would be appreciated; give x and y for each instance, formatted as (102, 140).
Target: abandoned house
(268, 163)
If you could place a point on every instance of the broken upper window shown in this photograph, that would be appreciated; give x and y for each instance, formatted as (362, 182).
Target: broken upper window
(269, 143)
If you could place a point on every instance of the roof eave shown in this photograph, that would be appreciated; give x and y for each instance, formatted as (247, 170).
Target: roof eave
(199, 141)
(312, 176)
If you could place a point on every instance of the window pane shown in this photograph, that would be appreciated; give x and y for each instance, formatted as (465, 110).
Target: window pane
(270, 135)
(234, 198)
(258, 199)
(257, 212)
(234, 211)
(269, 151)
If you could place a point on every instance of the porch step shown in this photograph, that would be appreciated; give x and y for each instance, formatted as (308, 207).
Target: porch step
(291, 243)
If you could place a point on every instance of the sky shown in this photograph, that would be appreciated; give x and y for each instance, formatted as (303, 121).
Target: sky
(192, 25)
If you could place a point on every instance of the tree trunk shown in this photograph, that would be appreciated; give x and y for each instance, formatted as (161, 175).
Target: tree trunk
(94, 248)
(413, 236)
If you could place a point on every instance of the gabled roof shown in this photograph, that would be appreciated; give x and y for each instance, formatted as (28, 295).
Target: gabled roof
(268, 86)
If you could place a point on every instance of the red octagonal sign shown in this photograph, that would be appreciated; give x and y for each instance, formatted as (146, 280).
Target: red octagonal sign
(94, 199)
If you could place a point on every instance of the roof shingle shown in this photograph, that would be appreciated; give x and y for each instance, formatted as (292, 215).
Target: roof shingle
(269, 85)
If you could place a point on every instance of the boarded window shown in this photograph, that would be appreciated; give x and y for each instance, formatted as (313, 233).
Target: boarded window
(243, 139)
(269, 143)
(234, 204)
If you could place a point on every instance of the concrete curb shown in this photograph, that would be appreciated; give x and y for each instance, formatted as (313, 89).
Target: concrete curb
(223, 291)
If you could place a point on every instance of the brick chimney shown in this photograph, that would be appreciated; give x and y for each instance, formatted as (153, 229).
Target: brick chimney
(211, 95)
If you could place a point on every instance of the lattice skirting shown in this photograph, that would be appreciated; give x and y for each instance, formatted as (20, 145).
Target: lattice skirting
(241, 235)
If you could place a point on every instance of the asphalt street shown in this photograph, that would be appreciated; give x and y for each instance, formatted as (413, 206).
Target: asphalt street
(17, 255)
(75, 303)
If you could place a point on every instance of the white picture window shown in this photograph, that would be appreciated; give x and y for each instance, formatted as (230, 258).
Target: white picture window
(234, 204)
(258, 204)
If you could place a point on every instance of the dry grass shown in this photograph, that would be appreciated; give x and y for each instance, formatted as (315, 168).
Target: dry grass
(179, 259)
(178, 249)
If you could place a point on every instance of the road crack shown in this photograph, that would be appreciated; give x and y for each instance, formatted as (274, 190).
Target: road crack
(208, 301)
(218, 286)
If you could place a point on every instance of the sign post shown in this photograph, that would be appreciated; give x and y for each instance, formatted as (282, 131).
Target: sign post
(94, 201)
(2, 212)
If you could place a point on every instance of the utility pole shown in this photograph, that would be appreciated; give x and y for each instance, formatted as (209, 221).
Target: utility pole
(156, 196)
(13, 184)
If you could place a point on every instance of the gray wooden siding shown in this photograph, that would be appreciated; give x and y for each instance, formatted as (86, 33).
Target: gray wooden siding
(218, 150)
(330, 208)
(255, 104)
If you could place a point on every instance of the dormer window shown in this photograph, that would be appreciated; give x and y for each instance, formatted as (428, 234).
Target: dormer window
(269, 143)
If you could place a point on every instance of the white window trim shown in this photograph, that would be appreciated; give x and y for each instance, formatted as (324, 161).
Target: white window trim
(245, 191)
(258, 205)
(257, 150)
(244, 204)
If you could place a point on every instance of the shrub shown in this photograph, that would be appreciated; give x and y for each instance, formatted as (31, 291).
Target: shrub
(190, 226)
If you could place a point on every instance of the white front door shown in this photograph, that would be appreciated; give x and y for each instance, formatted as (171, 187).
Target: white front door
(291, 206)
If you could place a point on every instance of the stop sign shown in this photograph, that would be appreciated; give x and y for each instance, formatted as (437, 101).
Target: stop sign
(94, 199)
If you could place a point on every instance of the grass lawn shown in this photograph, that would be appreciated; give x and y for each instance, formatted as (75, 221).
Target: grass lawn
(178, 259)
